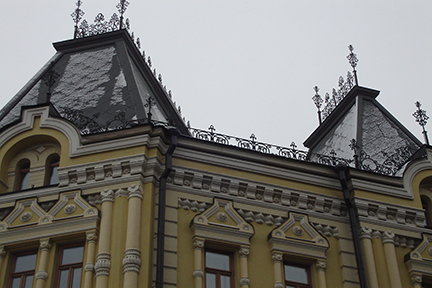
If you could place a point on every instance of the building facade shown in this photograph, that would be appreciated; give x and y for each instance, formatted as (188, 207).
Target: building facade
(102, 184)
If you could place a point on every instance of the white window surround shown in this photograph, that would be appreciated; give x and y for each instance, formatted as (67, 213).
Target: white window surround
(221, 225)
(297, 238)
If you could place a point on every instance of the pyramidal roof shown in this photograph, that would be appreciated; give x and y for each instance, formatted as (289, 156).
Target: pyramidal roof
(361, 126)
(99, 83)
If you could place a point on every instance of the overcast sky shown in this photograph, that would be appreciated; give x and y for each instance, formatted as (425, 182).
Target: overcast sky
(248, 66)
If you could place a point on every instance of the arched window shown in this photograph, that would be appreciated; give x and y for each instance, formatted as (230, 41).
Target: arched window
(426, 205)
(23, 175)
(52, 170)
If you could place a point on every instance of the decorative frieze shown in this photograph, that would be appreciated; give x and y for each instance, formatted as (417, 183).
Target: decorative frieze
(327, 230)
(256, 191)
(373, 210)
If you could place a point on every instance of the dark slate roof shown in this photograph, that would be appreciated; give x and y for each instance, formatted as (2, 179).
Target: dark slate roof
(378, 135)
(103, 84)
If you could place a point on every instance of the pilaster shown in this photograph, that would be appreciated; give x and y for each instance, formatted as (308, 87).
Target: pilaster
(42, 274)
(391, 259)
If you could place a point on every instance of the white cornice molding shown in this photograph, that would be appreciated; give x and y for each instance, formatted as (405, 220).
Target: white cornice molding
(415, 168)
(292, 169)
(76, 149)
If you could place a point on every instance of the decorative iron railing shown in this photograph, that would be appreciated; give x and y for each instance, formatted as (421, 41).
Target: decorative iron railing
(391, 165)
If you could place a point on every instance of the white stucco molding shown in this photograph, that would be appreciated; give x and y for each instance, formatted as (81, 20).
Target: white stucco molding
(72, 134)
(417, 166)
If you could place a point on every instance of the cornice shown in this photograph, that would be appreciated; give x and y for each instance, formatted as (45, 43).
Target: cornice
(263, 164)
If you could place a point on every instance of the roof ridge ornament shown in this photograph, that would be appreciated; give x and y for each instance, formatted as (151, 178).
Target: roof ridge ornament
(353, 60)
(77, 16)
(421, 118)
(100, 26)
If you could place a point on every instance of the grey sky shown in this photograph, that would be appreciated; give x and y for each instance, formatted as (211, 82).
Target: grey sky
(248, 66)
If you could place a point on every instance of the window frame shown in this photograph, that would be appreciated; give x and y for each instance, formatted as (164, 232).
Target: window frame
(71, 266)
(21, 173)
(297, 284)
(219, 272)
(49, 167)
(23, 274)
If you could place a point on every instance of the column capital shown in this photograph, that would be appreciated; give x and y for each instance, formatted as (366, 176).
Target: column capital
(277, 256)
(135, 191)
(244, 251)
(107, 196)
(198, 243)
(45, 244)
(365, 233)
(388, 237)
(416, 278)
(321, 265)
(91, 236)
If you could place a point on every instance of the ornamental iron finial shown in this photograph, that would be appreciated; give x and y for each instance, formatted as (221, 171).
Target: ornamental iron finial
(421, 118)
(77, 16)
(49, 79)
(150, 102)
(318, 102)
(353, 60)
(121, 7)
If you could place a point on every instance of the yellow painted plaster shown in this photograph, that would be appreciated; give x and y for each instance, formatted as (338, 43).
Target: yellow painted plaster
(147, 235)
(403, 270)
(118, 241)
(380, 263)
(260, 263)
(185, 251)
(333, 270)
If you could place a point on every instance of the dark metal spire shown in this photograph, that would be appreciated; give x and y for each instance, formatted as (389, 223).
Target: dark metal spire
(121, 7)
(318, 102)
(352, 58)
(77, 16)
(421, 118)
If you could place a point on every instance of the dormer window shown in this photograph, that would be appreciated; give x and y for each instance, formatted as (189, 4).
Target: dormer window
(52, 170)
(23, 175)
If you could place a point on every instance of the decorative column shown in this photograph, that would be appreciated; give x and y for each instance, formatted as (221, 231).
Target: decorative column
(91, 238)
(391, 259)
(416, 279)
(42, 275)
(103, 262)
(366, 245)
(277, 267)
(320, 267)
(244, 253)
(132, 254)
(198, 274)
(2, 256)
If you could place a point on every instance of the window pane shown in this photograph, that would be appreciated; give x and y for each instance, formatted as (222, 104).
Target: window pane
(217, 261)
(296, 274)
(24, 180)
(225, 282)
(290, 286)
(25, 263)
(16, 283)
(210, 280)
(76, 280)
(54, 175)
(63, 279)
(72, 255)
(28, 282)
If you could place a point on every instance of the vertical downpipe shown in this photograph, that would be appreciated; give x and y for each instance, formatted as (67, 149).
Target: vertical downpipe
(161, 210)
(342, 171)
